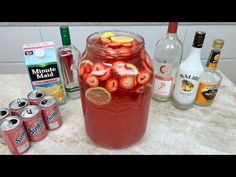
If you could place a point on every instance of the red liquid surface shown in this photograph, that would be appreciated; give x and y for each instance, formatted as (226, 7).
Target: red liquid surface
(122, 121)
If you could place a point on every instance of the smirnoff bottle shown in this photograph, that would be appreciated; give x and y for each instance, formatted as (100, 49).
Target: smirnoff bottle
(69, 56)
(189, 74)
(167, 55)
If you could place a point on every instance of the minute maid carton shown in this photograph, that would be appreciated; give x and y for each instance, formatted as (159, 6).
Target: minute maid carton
(41, 61)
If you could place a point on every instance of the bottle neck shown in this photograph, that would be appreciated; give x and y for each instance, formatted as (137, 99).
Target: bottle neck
(213, 59)
(172, 27)
(66, 41)
(195, 54)
(171, 34)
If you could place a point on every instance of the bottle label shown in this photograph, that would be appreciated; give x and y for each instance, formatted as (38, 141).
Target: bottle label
(162, 85)
(213, 59)
(164, 69)
(73, 89)
(186, 88)
(206, 93)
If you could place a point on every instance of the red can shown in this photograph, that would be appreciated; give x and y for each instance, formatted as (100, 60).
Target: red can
(51, 113)
(14, 134)
(4, 113)
(17, 105)
(33, 122)
(34, 96)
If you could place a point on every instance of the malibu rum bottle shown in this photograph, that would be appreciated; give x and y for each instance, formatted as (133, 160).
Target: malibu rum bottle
(211, 79)
(167, 55)
(189, 74)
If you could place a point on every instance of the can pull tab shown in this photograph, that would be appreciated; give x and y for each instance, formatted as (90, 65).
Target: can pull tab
(3, 113)
(20, 103)
(11, 122)
(38, 95)
(44, 101)
(29, 111)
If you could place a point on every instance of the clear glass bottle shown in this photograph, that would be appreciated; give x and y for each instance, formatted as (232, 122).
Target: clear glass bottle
(189, 74)
(69, 57)
(167, 56)
(211, 79)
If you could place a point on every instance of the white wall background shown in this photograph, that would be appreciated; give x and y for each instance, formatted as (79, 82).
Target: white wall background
(13, 36)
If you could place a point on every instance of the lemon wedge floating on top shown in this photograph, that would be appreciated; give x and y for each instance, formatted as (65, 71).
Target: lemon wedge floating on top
(107, 35)
(122, 39)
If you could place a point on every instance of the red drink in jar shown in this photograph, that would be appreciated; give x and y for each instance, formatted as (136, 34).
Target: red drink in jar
(51, 113)
(17, 105)
(116, 77)
(4, 113)
(33, 122)
(14, 134)
(34, 96)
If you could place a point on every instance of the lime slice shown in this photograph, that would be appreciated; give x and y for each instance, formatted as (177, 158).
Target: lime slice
(122, 39)
(107, 35)
(98, 95)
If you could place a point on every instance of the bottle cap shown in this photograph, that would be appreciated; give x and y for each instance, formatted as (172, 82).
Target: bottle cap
(218, 43)
(65, 35)
(199, 39)
(172, 27)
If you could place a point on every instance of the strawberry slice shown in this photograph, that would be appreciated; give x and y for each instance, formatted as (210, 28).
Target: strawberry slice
(114, 45)
(111, 52)
(143, 77)
(112, 84)
(81, 70)
(128, 45)
(107, 74)
(88, 68)
(98, 69)
(135, 43)
(105, 40)
(146, 67)
(85, 75)
(85, 66)
(92, 81)
(119, 67)
(143, 55)
(127, 82)
(140, 89)
(148, 61)
(125, 52)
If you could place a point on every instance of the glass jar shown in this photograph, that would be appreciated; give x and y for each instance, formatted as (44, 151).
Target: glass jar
(116, 79)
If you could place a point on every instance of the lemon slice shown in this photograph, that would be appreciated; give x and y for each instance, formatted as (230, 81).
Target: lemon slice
(98, 95)
(107, 35)
(122, 39)
(85, 62)
(133, 68)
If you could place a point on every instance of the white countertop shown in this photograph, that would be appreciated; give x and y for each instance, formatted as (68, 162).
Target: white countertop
(200, 130)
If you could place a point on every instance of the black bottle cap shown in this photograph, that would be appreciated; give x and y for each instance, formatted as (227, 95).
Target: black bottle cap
(199, 39)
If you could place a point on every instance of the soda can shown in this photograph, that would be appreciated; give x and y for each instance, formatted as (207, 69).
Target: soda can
(14, 134)
(33, 122)
(51, 113)
(17, 105)
(34, 96)
(4, 113)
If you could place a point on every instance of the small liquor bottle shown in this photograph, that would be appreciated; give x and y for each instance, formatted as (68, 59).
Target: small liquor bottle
(69, 57)
(211, 79)
(189, 74)
(167, 55)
